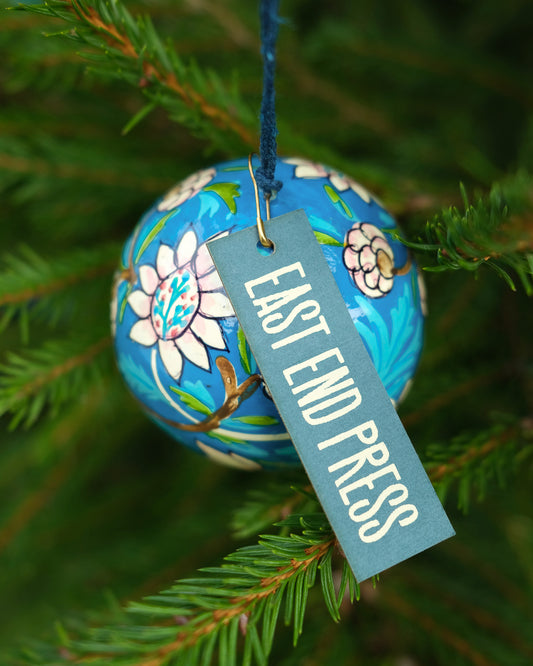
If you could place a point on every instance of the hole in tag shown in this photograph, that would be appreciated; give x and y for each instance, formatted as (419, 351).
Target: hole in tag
(265, 251)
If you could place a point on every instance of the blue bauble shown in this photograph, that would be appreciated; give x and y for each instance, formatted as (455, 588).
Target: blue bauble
(178, 344)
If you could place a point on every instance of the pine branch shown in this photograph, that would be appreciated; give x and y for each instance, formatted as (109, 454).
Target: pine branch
(303, 78)
(476, 461)
(245, 596)
(34, 501)
(455, 598)
(473, 461)
(15, 165)
(127, 48)
(268, 505)
(52, 375)
(496, 231)
(447, 64)
(119, 46)
(65, 442)
(30, 284)
(237, 606)
(462, 387)
(459, 644)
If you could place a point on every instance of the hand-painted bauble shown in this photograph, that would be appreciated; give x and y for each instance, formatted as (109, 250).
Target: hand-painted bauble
(179, 345)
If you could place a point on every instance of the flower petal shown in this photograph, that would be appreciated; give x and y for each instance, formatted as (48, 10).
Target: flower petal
(165, 261)
(175, 196)
(359, 279)
(208, 331)
(186, 248)
(351, 259)
(193, 349)
(113, 316)
(202, 262)
(197, 180)
(385, 284)
(168, 201)
(310, 170)
(143, 332)
(210, 281)
(359, 189)
(367, 258)
(423, 293)
(140, 303)
(371, 231)
(230, 459)
(215, 304)
(149, 278)
(372, 278)
(171, 358)
(339, 182)
(296, 160)
(356, 237)
(405, 391)
(201, 178)
(379, 243)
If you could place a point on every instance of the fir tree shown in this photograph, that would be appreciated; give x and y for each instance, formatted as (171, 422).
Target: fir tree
(103, 106)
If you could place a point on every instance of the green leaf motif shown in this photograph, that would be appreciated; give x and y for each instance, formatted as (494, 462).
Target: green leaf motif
(223, 438)
(336, 198)
(228, 192)
(124, 303)
(324, 239)
(191, 401)
(244, 351)
(257, 420)
(157, 228)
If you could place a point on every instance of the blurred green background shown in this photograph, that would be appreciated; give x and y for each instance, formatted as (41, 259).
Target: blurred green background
(98, 506)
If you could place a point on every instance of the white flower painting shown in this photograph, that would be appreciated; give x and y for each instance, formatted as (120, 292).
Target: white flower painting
(179, 303)
(369, 259)
(186, 189)
(308, 169)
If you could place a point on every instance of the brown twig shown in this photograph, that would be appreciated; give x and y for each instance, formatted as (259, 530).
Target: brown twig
(482, 617)
(235, 394)
(305, 80)
(428, 624)
(457, 391)
(482, 76)
(63, 368)
(69, 428)
(102, 176)
(35, 501)
(439, 471)
(239, 605)
(55, 285)
(154, 70)
(187, 637)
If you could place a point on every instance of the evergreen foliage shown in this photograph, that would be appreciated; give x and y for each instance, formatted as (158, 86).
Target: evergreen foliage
(104, 104)
(483, 234)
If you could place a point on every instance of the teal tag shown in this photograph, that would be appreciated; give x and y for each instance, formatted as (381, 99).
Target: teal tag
(352, 444)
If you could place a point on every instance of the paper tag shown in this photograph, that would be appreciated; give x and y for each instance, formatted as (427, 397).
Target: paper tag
(352, 443)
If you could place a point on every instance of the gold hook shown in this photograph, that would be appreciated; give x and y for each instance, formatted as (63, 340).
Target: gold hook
(265, 241)
(267, 203)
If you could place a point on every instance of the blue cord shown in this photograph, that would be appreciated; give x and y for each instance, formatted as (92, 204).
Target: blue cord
(268, 146)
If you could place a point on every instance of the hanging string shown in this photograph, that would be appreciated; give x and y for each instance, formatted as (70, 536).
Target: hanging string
(265, 174)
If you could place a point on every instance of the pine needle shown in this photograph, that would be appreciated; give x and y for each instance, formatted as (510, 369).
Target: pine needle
(57, 372)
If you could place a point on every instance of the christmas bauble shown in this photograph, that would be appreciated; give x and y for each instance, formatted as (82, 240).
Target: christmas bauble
(179, 345)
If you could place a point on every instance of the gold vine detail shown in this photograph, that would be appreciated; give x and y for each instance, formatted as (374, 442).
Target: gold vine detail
(235, 394)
